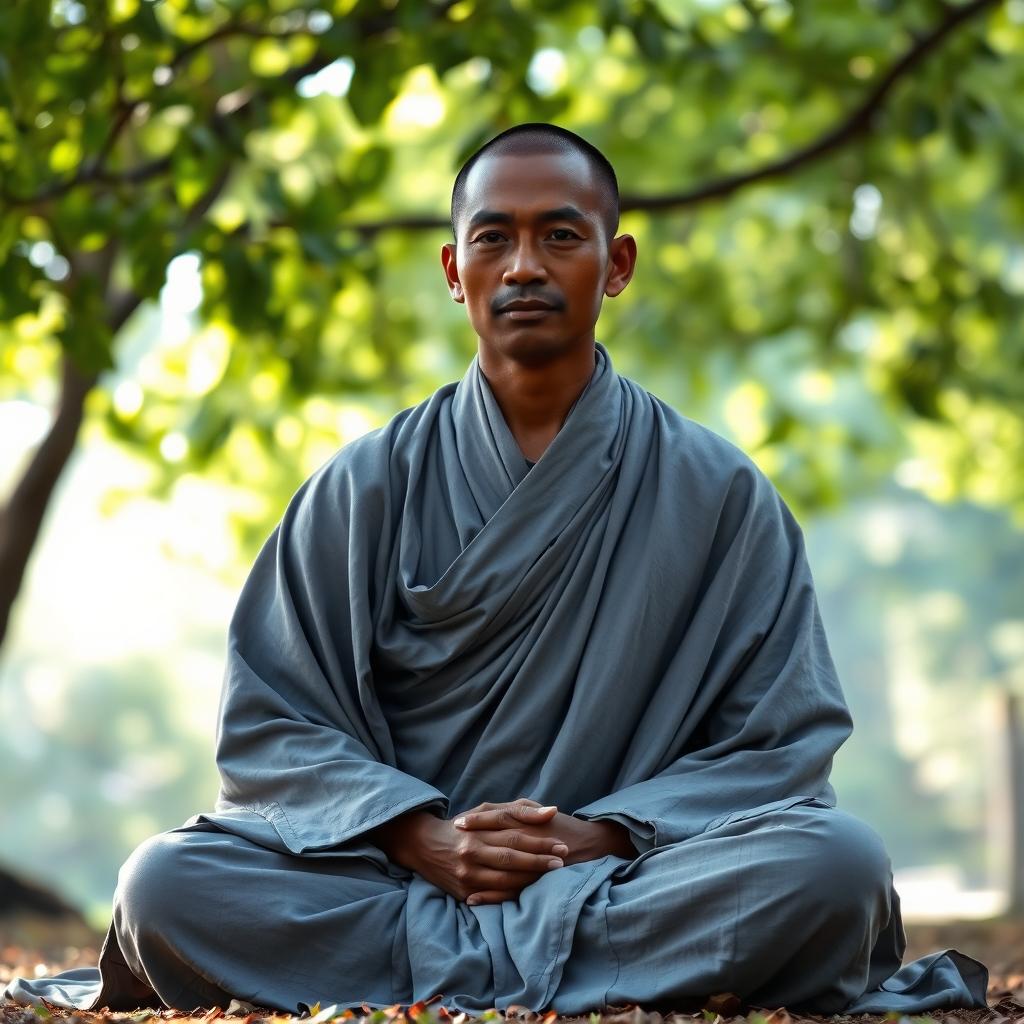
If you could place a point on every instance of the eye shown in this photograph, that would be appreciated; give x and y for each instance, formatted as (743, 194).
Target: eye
(489, 237)
(563, 234)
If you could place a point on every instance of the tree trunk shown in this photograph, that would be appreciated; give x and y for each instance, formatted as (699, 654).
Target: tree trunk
(22, 517)
(1015, 779)
(20, 895)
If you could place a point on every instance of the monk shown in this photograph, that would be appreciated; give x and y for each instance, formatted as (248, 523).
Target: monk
(527, 698)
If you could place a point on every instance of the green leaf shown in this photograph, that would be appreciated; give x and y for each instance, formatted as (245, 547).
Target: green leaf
(923, 120)
(88, 343)
(371, 168)
(369, 92)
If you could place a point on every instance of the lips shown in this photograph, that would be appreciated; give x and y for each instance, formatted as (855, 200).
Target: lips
(533, 313)
(526, 306)
(527, 309)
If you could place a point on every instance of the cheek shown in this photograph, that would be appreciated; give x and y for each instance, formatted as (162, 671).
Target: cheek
(586, 283)
(477, 292)
(473, 278)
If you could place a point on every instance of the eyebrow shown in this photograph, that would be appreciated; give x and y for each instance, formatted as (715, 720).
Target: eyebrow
(497, 217)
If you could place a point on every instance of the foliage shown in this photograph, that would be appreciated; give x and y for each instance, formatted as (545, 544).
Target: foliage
(862, 310)
(921, 603)
(1008, 1009)
(96, 764)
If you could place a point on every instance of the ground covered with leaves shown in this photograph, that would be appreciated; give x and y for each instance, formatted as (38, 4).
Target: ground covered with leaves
(28, 952)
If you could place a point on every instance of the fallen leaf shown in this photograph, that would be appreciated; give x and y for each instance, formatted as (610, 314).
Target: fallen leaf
(326, 1014)
(726, 1004)
(237, 1008)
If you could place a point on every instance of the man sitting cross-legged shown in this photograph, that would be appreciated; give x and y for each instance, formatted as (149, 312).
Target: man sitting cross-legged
(527, 700)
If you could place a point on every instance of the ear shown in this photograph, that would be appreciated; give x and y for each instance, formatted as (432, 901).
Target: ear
(451, 272)
(621, 264)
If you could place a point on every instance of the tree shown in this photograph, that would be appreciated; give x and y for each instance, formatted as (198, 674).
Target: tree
(864, 275)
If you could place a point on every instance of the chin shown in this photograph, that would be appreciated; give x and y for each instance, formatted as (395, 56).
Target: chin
(532, 348)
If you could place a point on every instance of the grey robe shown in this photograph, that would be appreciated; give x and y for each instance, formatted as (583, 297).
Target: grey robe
(628, 630)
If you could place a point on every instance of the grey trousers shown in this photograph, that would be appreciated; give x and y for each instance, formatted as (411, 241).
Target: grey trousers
(792, 907)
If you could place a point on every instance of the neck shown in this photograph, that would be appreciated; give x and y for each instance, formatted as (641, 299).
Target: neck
(536, 398)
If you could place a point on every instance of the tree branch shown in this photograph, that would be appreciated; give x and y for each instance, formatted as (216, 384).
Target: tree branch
(91, 170)
(856, 124)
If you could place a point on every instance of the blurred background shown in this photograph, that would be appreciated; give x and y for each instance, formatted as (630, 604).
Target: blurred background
(220, 223)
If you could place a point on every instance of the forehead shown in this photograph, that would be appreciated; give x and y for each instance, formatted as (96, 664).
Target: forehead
(523, 183)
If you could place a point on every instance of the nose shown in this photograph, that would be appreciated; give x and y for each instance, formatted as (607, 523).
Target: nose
(525, 266)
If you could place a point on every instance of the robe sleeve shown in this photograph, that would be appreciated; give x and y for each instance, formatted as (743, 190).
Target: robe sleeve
(301, 740)
(770, 709)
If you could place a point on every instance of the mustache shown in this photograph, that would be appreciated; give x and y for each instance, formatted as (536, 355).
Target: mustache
(503, 298)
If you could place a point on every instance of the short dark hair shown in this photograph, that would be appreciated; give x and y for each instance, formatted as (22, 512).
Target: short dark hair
(540, 137)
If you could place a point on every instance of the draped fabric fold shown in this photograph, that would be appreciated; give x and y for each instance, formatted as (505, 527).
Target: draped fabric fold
(628, 630)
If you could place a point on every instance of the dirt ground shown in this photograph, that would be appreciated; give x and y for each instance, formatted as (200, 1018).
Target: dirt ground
(28, 948)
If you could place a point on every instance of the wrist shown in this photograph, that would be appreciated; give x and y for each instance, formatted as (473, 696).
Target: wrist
(614, 838)
(399, 838)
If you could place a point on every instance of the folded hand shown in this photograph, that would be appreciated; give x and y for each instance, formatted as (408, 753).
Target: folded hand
(492, 863)
(580, 840)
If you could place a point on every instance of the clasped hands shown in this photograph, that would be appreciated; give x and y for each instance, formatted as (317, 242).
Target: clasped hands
(492, 852)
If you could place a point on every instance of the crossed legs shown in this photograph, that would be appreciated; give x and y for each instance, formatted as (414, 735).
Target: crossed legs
(784, 908)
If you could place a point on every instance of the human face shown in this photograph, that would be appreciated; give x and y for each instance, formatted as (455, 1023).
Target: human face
(532, 261)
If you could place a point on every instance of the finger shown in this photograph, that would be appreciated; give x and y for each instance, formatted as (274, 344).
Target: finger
(520, 840)
(517, 839)
(505, 816)
(478, 898)
(505, 858)
(531, 811)
(479, 809)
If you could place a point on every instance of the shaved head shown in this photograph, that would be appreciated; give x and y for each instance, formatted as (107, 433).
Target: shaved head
(537, 138)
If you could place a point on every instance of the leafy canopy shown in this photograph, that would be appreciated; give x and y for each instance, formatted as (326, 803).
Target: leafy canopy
(860, 310)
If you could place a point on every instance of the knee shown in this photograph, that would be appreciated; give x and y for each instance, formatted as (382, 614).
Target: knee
(845, 861)
(153, 883)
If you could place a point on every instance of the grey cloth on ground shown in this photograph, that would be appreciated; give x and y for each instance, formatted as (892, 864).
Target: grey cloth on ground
(628, 630)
